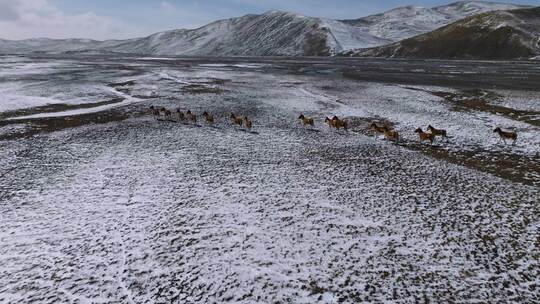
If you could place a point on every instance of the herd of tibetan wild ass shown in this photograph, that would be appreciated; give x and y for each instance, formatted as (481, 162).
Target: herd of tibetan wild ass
(335, 122)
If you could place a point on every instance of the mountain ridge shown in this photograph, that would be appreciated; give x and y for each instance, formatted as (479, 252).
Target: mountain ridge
(409, 21)
(273, 33)
(513, 34)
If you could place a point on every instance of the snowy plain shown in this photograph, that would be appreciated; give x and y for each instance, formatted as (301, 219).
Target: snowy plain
(137, 210)
(25, 83)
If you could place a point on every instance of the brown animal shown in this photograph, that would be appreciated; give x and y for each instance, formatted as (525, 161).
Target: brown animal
(248, 123)
(391, 134)
(236, 120)
(209, 118)
(162, 112)
(154, 111)
(191, 116)
(437, 132)
(180, 114)
(425, 136)
(378, 129)
(168, 114)
(340, 123)
(330, 122)
(504, 135)
(306, 121)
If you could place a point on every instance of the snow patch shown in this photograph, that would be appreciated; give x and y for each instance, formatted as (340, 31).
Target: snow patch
(127, 100)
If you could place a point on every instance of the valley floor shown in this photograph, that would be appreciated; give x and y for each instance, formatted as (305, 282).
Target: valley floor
(114, 206)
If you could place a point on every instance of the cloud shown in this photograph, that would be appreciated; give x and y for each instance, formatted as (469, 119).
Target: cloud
(7, 12)
(167, 6)
(20, 19)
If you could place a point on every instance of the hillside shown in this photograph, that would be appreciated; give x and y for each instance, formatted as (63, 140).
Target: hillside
(409, 21)
(275, 33)
(495, 35)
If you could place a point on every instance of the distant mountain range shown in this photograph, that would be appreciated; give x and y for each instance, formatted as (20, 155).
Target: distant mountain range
(493, 35)
(278, 33)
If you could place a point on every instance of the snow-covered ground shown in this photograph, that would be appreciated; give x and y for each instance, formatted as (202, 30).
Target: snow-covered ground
(146, 211)
(26, 83)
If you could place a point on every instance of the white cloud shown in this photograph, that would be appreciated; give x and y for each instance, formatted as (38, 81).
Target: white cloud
(22, 19)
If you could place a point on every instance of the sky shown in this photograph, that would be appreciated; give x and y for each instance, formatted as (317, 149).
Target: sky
(119, 19)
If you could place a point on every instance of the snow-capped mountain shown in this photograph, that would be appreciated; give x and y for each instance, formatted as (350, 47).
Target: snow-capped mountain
(409, 21)
(275, 33)
(494, 35)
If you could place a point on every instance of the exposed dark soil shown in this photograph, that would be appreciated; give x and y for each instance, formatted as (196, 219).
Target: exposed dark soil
(215, 81)
(477, 100)
(55, 108)
(201, 89)
(512, 167)
(51, 124)
(468, 99)
(516, 168)
(121, 84)
(170, 212)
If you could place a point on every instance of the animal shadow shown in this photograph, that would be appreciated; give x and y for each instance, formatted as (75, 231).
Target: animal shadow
(248, 131)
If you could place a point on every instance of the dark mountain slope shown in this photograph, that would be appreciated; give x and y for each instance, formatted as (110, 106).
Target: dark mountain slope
(511, 34)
